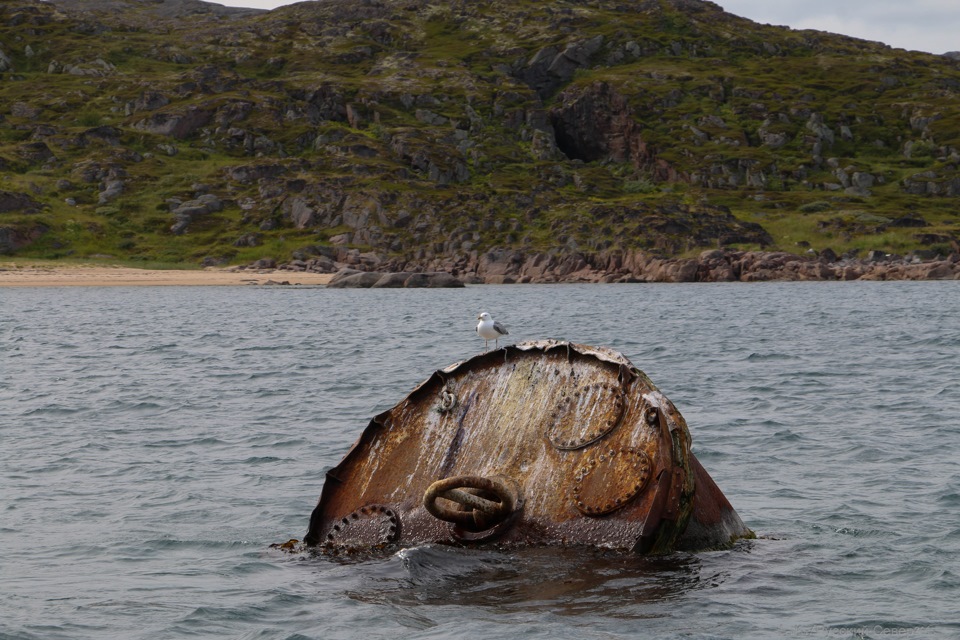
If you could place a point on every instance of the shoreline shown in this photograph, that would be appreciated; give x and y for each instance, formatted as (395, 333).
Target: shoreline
(504, 266)
(497, 267)
(33, 275)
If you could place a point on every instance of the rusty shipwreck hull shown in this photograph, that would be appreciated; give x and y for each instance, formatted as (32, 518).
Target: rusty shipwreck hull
(539, 443)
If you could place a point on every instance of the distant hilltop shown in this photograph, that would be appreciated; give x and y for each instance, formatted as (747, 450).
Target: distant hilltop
(430, 137)
(146, 9)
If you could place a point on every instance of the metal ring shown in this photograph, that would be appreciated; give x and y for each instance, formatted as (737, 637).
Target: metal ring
(481, 502)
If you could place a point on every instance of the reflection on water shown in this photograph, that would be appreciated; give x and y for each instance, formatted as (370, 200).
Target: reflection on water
(567, 581)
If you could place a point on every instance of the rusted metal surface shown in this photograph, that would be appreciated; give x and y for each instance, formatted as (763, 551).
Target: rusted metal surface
(540, 443)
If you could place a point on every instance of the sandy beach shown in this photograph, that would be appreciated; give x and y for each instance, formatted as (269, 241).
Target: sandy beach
(32, 275)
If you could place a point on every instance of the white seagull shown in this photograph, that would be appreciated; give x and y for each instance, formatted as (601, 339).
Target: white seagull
(489, 329)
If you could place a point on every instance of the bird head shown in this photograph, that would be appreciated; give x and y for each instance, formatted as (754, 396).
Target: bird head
(483, 316)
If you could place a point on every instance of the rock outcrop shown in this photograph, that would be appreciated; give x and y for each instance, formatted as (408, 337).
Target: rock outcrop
(353, 279)
(719, 265)
(709, 266)
(187, 212)
(12, 201)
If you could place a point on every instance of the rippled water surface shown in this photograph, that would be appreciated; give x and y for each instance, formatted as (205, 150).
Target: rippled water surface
(155, 441)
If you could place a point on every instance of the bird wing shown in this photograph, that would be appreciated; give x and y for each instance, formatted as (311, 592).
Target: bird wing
(499, 328)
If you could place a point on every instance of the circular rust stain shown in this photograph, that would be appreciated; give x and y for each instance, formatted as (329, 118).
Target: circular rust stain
(609, 480)
(585, 416)
(369, 526)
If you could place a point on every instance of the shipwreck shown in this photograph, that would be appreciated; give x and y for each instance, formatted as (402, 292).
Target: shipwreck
(535, 444)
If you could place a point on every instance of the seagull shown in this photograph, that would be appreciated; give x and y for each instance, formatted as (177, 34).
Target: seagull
(489, 329)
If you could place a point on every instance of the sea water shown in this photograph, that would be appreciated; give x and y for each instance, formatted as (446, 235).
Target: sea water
(154, 442)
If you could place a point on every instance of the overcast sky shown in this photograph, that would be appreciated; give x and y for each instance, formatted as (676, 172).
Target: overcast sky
(921, 25)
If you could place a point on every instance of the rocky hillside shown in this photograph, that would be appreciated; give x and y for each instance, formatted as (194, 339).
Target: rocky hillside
(416, 135)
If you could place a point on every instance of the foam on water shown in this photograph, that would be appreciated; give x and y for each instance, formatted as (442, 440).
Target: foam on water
(156, 441)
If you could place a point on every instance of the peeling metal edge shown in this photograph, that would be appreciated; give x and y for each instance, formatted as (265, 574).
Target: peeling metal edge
(627, 371)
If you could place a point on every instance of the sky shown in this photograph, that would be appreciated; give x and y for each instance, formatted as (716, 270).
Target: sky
(920, 25)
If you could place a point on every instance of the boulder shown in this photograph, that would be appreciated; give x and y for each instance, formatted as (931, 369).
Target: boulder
(35, 152)
(301, 214)
(188, 211)
(354, 279)
(246, 240)
(434, 280)
(105, 134)
(264, 263)
(941, 270)
(247, 174)
(111, 190)
(417, 281)
(392, 280)
(150, 101)
(321, 264)
(360, 280)
(176, 125)
(828, 255)
(342, 274)
(905, 222)
(442, 280)
(715, 266)
(25, 110)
